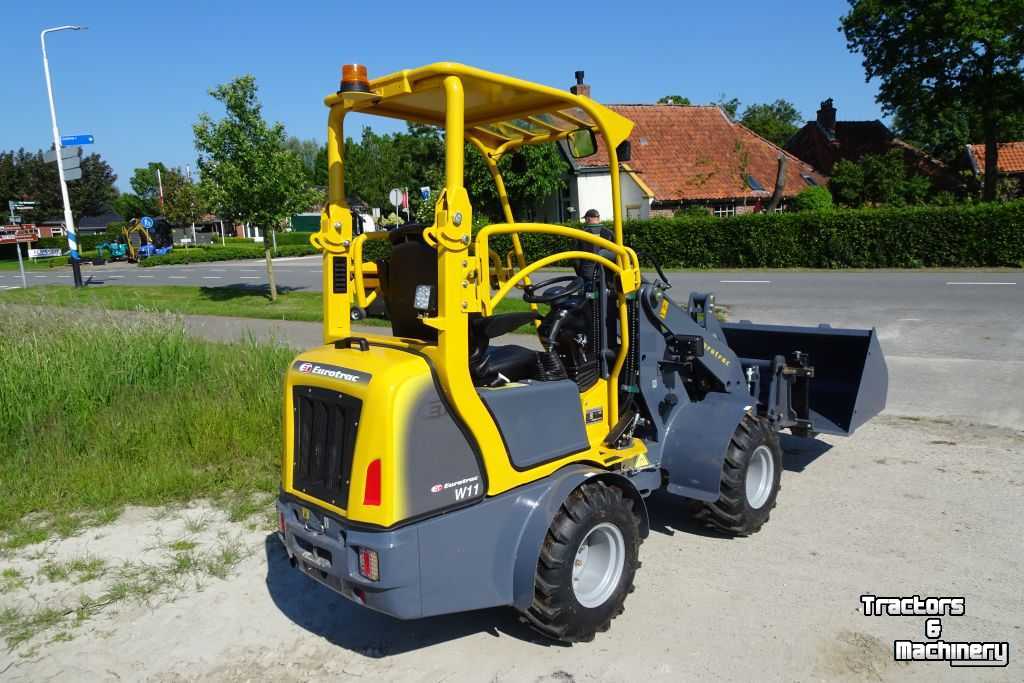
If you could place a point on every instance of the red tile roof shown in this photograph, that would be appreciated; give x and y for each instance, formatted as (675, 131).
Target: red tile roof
(1011, 157)
(697, 153)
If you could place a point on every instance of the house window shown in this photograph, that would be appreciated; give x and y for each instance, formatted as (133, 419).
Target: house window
(632, 213)
(723, 210)
(808, 179)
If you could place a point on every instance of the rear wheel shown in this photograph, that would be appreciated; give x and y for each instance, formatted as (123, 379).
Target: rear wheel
(586, 565)
(751, 479)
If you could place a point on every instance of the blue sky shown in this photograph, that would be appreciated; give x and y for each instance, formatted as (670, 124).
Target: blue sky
(139, 76)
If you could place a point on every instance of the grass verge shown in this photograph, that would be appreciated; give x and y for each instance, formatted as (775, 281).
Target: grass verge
(237, 301)
(104, 412)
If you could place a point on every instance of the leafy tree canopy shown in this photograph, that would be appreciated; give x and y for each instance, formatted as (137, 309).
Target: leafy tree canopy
(25, 175)
(938, 56)
(776, 121)
(674, 99)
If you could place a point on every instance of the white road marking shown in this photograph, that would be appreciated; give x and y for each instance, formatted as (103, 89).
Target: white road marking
(212, 277)
(116, 277)
(910, 320)
(176, 277)
(248, 277)
(981, 283)
(43, 276)
(65, 276)
(746, 282)
(146, 276)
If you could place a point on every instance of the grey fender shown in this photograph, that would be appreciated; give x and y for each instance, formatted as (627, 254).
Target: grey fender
(545, 504)
(696, 437)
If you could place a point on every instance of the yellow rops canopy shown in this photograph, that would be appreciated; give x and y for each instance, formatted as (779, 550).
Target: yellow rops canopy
(501, 112)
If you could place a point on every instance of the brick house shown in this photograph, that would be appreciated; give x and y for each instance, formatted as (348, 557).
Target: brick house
(1010, 162)
(825, 141)
(681, 156)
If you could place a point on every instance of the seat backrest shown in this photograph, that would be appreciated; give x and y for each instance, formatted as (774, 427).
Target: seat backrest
(412, 263)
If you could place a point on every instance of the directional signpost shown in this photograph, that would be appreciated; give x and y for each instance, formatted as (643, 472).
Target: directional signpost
(22, 234)
(71, 160)
(69, 140)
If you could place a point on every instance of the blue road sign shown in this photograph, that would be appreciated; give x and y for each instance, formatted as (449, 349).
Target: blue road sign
(69, 140)
(147, 222)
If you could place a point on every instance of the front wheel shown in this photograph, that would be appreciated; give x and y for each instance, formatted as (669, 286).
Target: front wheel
(751, 479)
(586, 565)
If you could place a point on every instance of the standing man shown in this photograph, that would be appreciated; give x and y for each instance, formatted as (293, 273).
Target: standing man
(592, 217)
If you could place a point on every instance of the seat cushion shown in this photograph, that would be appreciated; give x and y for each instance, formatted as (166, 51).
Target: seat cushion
(513, 361)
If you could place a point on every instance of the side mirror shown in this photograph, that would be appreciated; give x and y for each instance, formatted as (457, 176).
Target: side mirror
(624, 151)
(582, 143)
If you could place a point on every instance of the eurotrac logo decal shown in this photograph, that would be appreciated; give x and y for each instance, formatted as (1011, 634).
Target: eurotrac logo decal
(306, 367)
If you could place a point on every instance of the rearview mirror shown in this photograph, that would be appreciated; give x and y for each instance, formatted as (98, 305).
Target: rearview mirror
(582, 143)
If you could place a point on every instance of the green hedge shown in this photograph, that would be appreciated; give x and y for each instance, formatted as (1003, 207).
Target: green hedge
(228, 253)
(961, 236)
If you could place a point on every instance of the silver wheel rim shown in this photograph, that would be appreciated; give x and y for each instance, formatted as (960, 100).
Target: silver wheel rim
(760, 477)
(598, 565)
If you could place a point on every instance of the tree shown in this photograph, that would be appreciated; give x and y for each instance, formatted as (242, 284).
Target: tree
(145, 183)
(183, 203)
(26, 175)
(945, 134)
(776, 122)
(812, 199)
(937, 55)
(309, 152)
(730, 106)
(674, 99)
(245, 168)
(878, 180)
(531, 174)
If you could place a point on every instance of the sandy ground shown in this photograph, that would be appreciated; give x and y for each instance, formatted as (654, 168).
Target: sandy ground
(907, 506)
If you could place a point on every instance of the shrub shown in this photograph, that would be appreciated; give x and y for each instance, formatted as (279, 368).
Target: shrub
(226, 253)
(812, 199)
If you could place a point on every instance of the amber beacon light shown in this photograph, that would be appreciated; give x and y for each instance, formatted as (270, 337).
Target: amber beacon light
(354, 79)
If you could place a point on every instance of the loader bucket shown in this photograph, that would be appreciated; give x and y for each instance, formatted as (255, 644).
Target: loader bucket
(850, 377)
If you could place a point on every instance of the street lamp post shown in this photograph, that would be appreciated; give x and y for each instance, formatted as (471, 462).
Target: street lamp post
(68, 220)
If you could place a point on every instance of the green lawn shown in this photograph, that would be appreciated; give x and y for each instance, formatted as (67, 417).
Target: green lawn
(237, 301)
(12, 265)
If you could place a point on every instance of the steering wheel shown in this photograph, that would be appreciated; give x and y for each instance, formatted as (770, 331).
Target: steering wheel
(559, 288)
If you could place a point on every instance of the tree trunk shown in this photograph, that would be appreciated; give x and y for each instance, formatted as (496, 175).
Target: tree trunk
(780, 185)
(988, 193)
(270, 270)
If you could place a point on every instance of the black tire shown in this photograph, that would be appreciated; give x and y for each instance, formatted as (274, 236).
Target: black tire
(733, 512)
(556, 612)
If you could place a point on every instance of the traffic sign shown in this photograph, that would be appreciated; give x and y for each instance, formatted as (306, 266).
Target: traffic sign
(147, 222)
(65, 153)
(72, 173)
(68, 140)
(395, 197)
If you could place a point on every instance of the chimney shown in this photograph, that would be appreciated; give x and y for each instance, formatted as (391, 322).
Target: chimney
(827, 116)
(580, 88)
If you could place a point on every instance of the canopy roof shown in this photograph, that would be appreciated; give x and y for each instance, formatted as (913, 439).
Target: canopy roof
(501, 112)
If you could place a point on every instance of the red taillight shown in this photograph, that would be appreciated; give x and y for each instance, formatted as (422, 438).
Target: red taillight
(369, 567)
(371, 491)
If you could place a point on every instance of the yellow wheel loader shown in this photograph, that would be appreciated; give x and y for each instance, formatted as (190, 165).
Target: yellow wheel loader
(437, 469)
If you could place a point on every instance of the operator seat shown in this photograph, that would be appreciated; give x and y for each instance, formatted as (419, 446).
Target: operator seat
(413, 263)
(512, 361)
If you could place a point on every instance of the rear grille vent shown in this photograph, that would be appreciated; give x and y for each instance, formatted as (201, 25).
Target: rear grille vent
(326, 423)
(340, 274)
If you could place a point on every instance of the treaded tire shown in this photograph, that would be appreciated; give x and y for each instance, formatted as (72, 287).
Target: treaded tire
(556, 613)
(732, 513)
